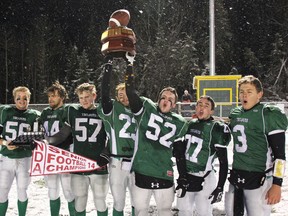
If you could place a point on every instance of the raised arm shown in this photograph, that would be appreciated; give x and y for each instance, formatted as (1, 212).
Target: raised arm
(105, 85)
(134, 100)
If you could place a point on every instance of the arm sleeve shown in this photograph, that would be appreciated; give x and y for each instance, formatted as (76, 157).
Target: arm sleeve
(134, 100)
(277, 143)
(59, 138)
(223, 162)
(105, 85)
(179, 149)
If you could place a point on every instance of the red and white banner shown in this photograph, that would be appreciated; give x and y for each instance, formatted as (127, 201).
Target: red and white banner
(48, 159)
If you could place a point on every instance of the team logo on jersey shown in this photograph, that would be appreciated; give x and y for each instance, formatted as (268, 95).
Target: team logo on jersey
(170, 173)
(155, 185)
(245, 120)
(241, 180)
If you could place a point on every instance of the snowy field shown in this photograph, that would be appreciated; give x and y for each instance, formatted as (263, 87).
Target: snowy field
(39, 203)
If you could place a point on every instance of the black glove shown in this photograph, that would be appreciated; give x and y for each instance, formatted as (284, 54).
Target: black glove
(182, 186)
(216, 195)
(103, 159)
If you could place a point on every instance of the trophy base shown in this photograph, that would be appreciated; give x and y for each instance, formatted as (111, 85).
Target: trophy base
(119, 45)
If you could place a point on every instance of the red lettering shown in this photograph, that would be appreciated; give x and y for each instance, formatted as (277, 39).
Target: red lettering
(66, 153)
(50, 157)
(54, 149)
(50, 168)
(38, 156)
(73, 156)
(59, 168)
(37, 168)
(40, 146)
(68, 161)
(60, 159)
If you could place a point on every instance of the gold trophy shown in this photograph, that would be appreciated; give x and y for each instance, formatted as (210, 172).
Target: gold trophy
(118, 38)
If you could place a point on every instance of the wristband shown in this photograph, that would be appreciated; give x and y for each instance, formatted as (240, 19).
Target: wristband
(279, 168)
(4, 142)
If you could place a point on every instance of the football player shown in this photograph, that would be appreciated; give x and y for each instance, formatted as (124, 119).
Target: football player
(205, 140)
(258, 132)
(120, 127)
(15, 161)
(89, 139)
(158, 131)
(52, 121)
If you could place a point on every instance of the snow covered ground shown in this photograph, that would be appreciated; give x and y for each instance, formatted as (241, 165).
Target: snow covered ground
(39, 202)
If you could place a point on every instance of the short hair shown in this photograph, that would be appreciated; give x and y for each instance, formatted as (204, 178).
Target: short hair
(250, 79)
(170, 89)
(85, 87)
(209, 98)
(21, 89)
(120, 86)
(56, 86)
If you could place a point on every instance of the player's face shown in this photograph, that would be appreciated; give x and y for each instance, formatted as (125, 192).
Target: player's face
(86, 99)
(55, 101)
(21, 100)
(203, 109)
(249, 96)
(122, 97)
(167, 102)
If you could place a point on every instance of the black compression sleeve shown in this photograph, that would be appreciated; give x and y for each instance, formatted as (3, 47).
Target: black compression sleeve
(134, 100)
(60, 137)
(277, 143)
(179, 149)
(105, 85)
(223, 162)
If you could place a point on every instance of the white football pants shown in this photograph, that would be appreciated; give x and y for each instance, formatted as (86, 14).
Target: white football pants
(99, 186)
(53, 184)
(163, 198)
(14, 168)
(120, 179)
(254, 200)
(198, 200)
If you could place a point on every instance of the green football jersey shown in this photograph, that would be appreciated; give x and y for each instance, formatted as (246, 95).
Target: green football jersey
(3, 107)
(88, 132)
(155, 134)
(15, 122)
(52, 121)
(250, 130)
(201, 139)
(120, 127)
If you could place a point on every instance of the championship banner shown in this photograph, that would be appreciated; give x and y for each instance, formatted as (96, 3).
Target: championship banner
(48, 159)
